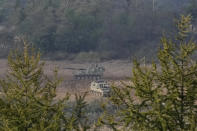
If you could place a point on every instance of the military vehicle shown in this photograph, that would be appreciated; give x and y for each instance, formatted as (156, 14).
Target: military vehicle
(100, 88)
(94, 71)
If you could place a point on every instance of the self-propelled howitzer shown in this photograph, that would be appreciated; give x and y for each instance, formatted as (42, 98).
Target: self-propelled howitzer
(93, 72)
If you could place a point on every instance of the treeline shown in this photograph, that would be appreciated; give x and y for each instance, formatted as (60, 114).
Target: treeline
(104, 29)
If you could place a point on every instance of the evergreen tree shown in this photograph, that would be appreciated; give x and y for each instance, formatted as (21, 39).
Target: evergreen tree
(164, 96)
(27, 99)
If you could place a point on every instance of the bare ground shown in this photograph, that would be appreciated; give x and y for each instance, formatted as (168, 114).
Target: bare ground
(115, 71)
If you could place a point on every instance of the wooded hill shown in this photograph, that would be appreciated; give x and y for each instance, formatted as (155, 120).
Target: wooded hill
(100, 29)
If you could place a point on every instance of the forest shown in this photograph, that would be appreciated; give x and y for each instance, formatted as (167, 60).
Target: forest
(100, 29)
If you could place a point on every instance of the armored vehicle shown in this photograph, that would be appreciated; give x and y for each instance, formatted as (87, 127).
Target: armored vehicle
(100, 88)
(94, 71)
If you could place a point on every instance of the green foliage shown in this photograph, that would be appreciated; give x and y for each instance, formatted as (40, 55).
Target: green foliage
(161, 97)
(28, 97)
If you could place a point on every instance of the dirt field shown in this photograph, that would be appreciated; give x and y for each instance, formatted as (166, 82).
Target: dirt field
(114, 72)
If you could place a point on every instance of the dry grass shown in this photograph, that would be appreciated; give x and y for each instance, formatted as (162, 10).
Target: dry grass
(116, 70)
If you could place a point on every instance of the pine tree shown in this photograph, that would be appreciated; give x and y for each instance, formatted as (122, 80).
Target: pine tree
(165, 95)
(27, 99)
